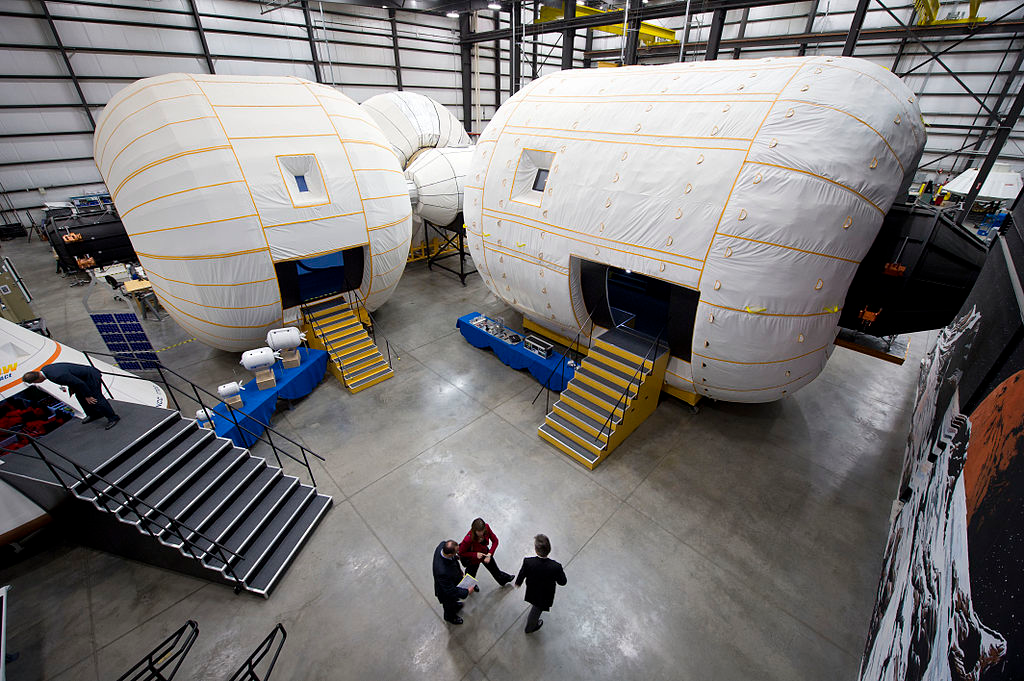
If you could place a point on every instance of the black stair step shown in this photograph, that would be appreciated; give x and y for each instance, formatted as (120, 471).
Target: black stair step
(633, 342)
(219, 497)
(198, 490)
(598, 361)
(273, 567)
(598, 406)
(326, 304)
(118, 470)
(365, 370)
(569, 443)
(161, 467)
(566, 424)
(221, 525)
(187, 473)
(256, 518)
(352, 385)
(600, 426)
(606, 357)
(268, 536)
(611, 385)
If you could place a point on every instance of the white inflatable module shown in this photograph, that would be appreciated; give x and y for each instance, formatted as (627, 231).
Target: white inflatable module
(219, 180)
(204, 416)
(287, 338)
(439, 176)
(753, 188)
(259, 359)
(230, 389)
(412, 122)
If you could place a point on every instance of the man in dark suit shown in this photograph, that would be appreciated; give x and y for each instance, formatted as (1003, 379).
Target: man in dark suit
(541, 575)
(447, 575)
(84, 382)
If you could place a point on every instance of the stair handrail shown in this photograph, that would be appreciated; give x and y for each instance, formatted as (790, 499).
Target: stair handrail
(196, 389)
(634, 377)
(162, 655)
(247, 672)
(131, 501)
(561, 364)
(361, 303)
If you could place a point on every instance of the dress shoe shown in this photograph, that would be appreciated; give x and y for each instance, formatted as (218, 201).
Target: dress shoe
(506, 579)
(455, 620)
(111, 423)
(90, 419)
(540, 623)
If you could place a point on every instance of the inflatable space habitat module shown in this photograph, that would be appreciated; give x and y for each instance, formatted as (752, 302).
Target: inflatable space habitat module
(246, 196)
(722, 207)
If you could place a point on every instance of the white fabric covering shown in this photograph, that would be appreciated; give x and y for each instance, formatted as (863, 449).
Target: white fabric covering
(203, 172)
(761, 184)
(412, 122)
(439, 176)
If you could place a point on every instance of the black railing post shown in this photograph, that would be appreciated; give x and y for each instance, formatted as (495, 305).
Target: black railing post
(170, 392)
(273, 447)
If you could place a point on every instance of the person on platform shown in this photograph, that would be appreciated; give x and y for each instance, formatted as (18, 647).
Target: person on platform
(447, 575)
(84, 382)
(478, 547)
(541, 575)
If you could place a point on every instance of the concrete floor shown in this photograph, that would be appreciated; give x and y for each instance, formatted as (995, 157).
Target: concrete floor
(743, 542)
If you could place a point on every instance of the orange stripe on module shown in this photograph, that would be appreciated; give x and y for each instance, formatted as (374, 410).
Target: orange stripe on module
(391, 224)
(789, 248)
(215, 256)
(197, 224)
(597, 245)
(49, 360)
(125, 147)
(386, 196)
(211, 307)
(637, 144)
(149, 271)
(190, 152)
(207, 321)
(752, 390)
(768, 314)
(503, 250)
(774, 361)
(401, 263)
(99, 129)
(633, 134)
(182, 191)
(820, 177)
(325, 217)
(279, 137)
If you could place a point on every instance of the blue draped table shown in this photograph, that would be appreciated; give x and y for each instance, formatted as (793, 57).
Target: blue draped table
(259, 405)
(553, 372)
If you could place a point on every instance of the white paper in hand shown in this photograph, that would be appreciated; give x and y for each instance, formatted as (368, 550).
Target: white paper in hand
(468, 582)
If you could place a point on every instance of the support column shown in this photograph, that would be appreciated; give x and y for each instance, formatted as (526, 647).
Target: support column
(743, 30)
(202, 36)
(715, 36)
(394, 45)
(568, 35)
(587, 47)
(497, 64)
(811, 16)
(1003, 134)
(855, 25)
(312, 43)
(514, 54)
(466, 50)
(993, 119)
(632, 39)
(67, 64)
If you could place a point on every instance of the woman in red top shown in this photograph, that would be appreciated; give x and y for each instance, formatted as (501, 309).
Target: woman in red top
(478, 547)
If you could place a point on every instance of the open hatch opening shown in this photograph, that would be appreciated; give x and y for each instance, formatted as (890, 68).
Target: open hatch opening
(616, 297)
(308, 279)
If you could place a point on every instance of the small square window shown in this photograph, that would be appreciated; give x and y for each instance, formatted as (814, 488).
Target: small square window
(300, 182)
(540, 180)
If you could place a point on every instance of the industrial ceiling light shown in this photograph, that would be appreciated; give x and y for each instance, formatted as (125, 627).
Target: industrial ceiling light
(494, 5)
(452, 15)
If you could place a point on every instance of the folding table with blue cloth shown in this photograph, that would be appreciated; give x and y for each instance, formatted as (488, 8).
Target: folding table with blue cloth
(244, 426)
(552, 372)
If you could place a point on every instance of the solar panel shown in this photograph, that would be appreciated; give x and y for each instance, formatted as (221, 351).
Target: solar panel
(126, 340)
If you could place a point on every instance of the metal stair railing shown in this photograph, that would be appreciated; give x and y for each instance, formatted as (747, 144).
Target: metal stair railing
(635, 377)
(356, 305)
(317, 331)
(268, 430)
(132, 502)
(565, 356)
(247, 672)
(152, 667)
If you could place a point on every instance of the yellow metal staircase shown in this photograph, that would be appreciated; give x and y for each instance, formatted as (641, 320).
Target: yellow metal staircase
(335, 326)
(613, 391)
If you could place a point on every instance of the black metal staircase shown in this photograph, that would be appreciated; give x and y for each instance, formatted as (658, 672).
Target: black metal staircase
(179, 488)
